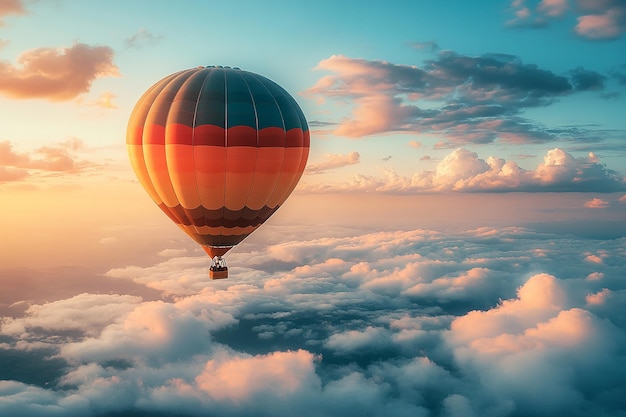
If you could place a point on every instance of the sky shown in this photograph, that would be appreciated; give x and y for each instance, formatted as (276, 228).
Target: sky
(455, 247)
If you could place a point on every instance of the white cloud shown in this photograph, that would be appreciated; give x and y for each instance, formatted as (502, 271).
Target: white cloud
(463, 170)
(88, 313)
(358, 340)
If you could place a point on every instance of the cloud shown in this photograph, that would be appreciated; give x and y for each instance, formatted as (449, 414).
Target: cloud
(402, 323)
(584, 80)
(278, 374)
(110, 240)
(462, 170)
(56, 158)
(459, 98)
(519, 349)
(56, 74)
(430, 46)
(597, 21)
(89, 313)
(599, 297)
(11, 7)
(12, 174)
(606, 24)
(332, 161)
(142, 39)
(597, 203)
(371, 338)
(106, 100)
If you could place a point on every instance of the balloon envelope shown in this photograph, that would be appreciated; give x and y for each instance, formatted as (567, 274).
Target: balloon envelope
(219, 150)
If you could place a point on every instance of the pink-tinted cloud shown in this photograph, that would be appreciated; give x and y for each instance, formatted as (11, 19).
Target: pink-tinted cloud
(462, 99)
(553, 8)
(594, 259)
(56, 74)
(11, 7)
(279, 374)
(608, 25)
(598, 297)
(596, 20)
(595, 276)
(332, 161)
(57, 158)
(12, 174)
(597, 203)
(518, 348)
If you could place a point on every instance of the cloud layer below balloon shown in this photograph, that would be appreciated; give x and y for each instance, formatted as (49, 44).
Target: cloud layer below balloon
(490, 322)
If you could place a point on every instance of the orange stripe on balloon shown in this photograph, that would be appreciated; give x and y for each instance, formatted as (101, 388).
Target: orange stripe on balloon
(240, 165)
(268, 169)
(210, 162)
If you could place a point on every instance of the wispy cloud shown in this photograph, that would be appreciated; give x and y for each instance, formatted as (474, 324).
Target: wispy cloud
(142, 39)
(56, 158)
(106, 100)
(332, 161)
(56, 74)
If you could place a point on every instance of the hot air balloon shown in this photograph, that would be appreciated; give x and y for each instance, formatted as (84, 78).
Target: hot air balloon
(219, 150)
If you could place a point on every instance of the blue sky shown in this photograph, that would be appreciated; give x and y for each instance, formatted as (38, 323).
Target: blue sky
(456, 246)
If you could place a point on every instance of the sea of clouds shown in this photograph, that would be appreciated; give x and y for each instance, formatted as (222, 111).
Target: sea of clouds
(487, 322)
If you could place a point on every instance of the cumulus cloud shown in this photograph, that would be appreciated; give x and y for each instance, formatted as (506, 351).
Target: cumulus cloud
(607, 23)
(57, 158)
(459, 98)
(402, 323)
(596, 20)
(278, 374)
(56, 74)
(86, 312)
(463, 170)
(332, 161)
(519, 348)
